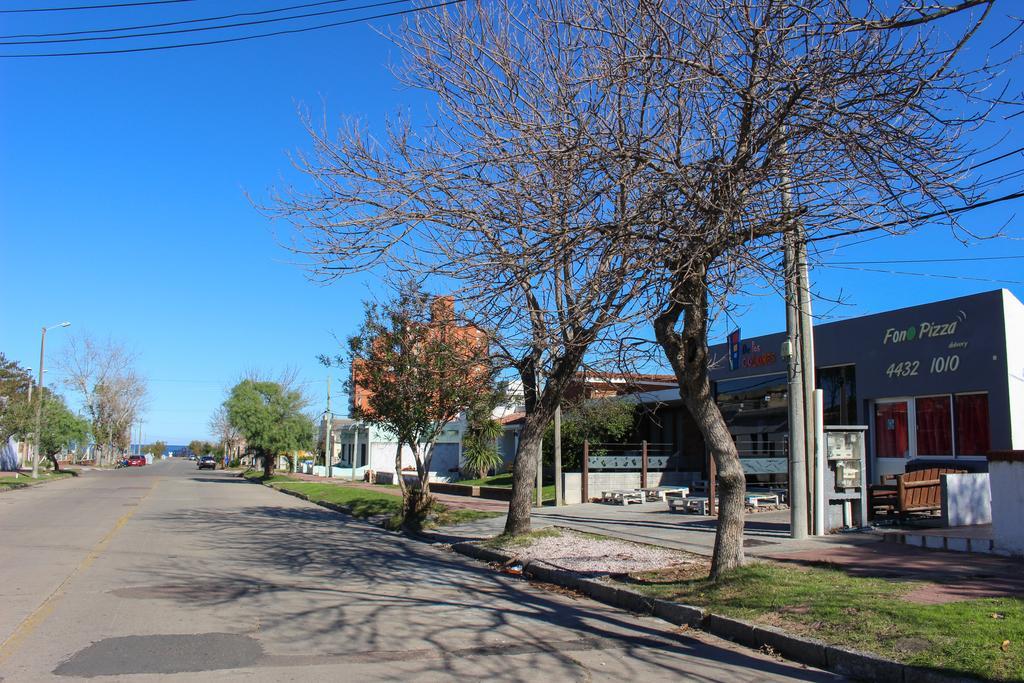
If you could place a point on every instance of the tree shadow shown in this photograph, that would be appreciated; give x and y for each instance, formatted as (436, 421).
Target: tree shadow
(326, 584)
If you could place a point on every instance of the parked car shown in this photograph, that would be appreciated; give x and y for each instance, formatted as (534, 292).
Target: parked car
(136, 460)
(207, 462)
(192, 456)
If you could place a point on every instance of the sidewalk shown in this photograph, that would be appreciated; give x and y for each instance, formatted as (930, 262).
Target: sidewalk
(961, 576)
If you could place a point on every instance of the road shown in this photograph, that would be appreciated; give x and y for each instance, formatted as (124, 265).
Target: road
(164, 571)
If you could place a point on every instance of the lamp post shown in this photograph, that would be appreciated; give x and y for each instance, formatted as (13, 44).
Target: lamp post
(39, 406)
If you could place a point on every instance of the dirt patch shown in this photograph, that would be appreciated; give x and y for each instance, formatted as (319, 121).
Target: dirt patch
(911, 645)
(589, 554)
(694, 569)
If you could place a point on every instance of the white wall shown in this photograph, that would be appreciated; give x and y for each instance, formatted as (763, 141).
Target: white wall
(607, 481)
(1013, 314)
(966, 499)
(1007, 483)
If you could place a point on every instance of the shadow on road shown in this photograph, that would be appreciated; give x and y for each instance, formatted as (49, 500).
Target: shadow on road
(317, 581)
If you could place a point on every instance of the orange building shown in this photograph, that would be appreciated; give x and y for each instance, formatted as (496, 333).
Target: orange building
(443, 325)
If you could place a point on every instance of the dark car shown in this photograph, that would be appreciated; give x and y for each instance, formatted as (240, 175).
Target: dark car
(207, 462)
(136, 460)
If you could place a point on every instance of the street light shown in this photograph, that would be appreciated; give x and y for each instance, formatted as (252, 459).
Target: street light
(39, 406)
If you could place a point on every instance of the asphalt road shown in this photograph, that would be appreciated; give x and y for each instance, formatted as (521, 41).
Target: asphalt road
(166, 572)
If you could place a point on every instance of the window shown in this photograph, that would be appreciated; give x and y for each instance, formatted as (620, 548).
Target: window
(934, 426)
(892, 436)
(972, 435)
(839, 387)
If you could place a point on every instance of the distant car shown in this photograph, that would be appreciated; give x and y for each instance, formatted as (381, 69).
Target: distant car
(192, 457)
(206, 462)
(136, 460)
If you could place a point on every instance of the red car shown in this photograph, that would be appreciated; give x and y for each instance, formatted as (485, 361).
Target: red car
(136, 460)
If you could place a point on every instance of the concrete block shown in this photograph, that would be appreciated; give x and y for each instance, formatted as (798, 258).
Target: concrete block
(936, 542)
(804, 650)
(736, 630)
(914, 539)
(960, 545)
(480, 553)
(863, 665)
(601, 592)
(912, 674)
(678, 614)
(980, 545)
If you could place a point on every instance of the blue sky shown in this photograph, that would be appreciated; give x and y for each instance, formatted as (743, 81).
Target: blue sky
(123, 208)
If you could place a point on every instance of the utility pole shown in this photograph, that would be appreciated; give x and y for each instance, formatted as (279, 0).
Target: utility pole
(795, 396)
(355, 448)
(328, 441)
(808, 366)
(558, 456)
(39, 404)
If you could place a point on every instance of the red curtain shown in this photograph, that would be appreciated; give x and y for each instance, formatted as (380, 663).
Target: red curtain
(934, 426)
(972, 434)
(891, 436)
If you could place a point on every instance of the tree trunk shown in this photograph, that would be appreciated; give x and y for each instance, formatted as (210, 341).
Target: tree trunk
(268, 465)
(416, 500)
(687, 352)
(53, 459)
(524, 472)
(400, 480)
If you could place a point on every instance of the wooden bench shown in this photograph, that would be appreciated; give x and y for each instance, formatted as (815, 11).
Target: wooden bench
(918, 491)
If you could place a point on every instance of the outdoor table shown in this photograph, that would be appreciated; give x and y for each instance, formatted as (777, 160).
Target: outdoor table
(697, 505)
(622, 496)
(755, 500)
(663, 492)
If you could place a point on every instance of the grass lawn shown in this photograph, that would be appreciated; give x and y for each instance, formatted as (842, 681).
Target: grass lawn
(8, 483)
(984, 638)
(505, 481)
(366, 502)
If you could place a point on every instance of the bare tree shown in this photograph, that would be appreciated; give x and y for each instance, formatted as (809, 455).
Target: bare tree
(502, 200)
(227, 434)
(597, 163)
(112, 392)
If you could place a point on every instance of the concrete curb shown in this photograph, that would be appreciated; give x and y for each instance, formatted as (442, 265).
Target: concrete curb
(851, 663)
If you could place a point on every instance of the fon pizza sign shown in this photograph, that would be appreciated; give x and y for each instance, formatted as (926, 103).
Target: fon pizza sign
(930, 346)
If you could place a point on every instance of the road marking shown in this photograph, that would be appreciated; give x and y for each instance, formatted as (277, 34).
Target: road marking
(30, 623)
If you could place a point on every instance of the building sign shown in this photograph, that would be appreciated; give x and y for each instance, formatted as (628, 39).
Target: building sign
(924, 330)
(734, 349)
(747, 354)
(940, 362)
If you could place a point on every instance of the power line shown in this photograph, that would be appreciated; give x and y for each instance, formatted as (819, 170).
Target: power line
(928, 260)
(206, 28)
(932, 275)
(22, 10)
(222, 41)
(918, 219)
(173, 23)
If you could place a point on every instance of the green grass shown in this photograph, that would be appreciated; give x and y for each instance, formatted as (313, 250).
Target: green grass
(504, 481)
(869, 614)
(8, 483)
(366, 502)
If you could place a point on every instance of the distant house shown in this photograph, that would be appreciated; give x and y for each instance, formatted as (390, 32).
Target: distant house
(357, 445)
